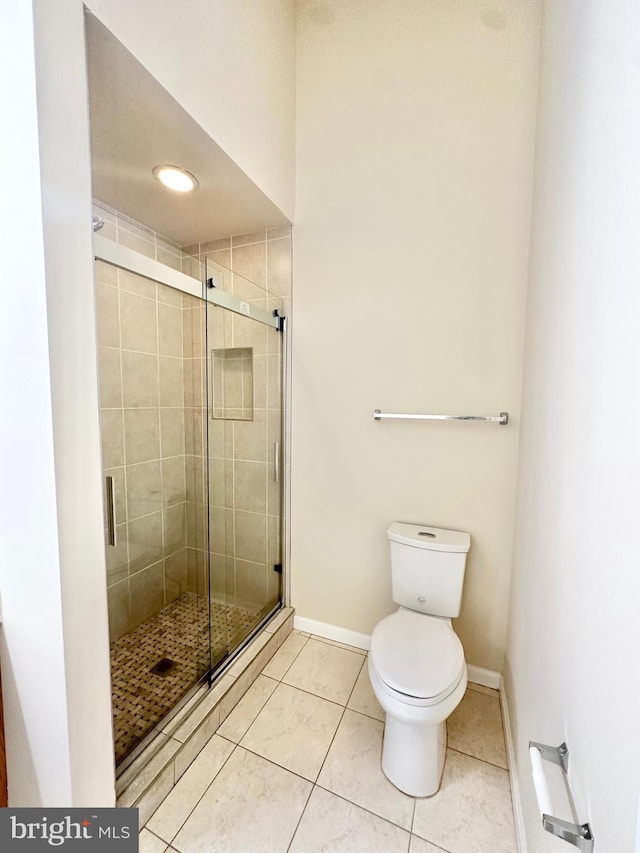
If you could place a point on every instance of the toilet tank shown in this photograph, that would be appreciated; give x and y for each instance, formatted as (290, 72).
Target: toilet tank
(427, 567)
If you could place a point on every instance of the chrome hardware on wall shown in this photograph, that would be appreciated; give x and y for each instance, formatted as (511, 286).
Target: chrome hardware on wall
(111, 511)
(579, 835)
(502, 418)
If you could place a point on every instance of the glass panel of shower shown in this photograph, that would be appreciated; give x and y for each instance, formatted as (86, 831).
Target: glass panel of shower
(150, 406)
(191, 419)
(244, 437)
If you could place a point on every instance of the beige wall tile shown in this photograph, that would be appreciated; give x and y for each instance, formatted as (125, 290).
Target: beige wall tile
(195, 479)
(173, 481)
(108, 315)
(133, 283)
(215, 245)
(274, 381)
(141, 435)
(193, 443)
(147, 592)
(248, 333)
(196, 568)
(276, 233)
(169, 330)
(171, 432)
(119, 609)
(250, 439)
(279, 267)
(175, 532)
(250, 486)
(193, 378)
(251, 584)
(170, 296)
(250, 261)
(221, 258)
(171, 382)
(217, 530)
(247, 290)
(117, 557)
(138, 323)
(112, 438)
(145, 542)
(217, 483)
(132, 241)
(106, 274)
(143, 489)
(250, 537)
(220, 438)
(130, 226)
(193, 249)
(139, 380)
(260, 382)
(176, 573)
(191, 266)
(193, 331)
(169, 259)
(110, 378)
(253, 237)
(196, 526)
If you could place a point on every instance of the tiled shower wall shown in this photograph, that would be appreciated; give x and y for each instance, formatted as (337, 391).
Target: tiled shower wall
(244, 500)
(155, 425)
(143, 328)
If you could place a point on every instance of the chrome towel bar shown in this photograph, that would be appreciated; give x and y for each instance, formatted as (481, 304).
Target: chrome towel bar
(502, 418)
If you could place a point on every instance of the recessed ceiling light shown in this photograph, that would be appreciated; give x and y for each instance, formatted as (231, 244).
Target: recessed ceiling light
(175, 178)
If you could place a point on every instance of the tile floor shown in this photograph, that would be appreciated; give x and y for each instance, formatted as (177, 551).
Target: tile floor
(295, 768)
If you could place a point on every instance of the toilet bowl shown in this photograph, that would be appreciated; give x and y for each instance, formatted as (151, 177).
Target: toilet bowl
(419, 676)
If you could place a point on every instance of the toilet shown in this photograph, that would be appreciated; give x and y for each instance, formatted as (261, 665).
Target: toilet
(416, 663)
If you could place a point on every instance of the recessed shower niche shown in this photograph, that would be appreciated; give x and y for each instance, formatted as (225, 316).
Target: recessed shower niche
(232, 383)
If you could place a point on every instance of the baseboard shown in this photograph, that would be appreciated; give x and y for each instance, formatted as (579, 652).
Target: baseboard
(518, 819)
(332, 632)
(484, 677)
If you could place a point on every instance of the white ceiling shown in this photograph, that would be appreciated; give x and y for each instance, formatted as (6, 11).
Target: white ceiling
(136, 125)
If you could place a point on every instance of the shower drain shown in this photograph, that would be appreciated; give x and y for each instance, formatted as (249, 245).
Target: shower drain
(163, 667)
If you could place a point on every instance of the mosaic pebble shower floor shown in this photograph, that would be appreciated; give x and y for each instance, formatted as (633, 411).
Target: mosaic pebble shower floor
(179, 632)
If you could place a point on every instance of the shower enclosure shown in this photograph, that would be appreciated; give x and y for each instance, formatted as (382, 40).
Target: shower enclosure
(191, 397)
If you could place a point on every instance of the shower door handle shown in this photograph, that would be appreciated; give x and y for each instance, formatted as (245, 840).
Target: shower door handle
(276, 461)
(111, 512)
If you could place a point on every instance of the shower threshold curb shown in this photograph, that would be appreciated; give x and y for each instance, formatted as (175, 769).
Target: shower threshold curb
(146, 783)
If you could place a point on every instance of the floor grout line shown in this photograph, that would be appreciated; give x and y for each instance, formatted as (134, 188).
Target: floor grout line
(476, 758)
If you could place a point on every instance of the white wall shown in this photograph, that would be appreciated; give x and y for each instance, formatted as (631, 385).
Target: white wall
(415, 128)
(574, 642)
(231, 65)
(32, 646)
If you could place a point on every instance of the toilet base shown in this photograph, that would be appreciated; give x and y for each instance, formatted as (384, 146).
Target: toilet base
(413, 756)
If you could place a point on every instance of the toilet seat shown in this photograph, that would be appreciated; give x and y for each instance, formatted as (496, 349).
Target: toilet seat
(417, 656)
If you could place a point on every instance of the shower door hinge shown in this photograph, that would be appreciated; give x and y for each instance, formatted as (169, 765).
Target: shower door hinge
(281, 319)
(278, 568)
(211, 283)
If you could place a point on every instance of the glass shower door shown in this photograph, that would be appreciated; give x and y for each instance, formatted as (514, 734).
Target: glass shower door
(244, 350)
(153, 416)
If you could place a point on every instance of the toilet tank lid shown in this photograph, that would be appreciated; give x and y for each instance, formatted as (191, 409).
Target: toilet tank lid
(430, 538)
